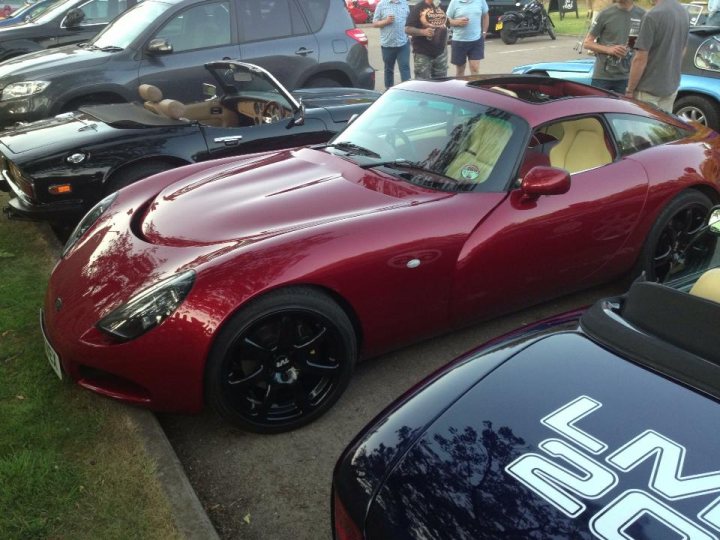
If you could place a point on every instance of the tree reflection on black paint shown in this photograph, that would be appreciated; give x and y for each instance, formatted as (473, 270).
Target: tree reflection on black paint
(453, 485)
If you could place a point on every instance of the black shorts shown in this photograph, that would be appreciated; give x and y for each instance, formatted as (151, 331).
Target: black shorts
(461, 51)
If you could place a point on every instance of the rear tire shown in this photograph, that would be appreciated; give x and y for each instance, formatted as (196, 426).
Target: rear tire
(507, 34)
(665, 254)
(699, 109)
(134, 173)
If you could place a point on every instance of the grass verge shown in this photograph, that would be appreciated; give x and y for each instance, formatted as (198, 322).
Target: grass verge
(71, 465)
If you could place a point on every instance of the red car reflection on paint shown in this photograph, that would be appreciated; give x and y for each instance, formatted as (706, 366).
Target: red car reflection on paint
(255, 283)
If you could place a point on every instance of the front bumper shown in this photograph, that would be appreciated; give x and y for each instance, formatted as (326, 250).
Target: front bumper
(69, 211)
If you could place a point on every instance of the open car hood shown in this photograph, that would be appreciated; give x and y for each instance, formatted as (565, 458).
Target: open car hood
(280, 193)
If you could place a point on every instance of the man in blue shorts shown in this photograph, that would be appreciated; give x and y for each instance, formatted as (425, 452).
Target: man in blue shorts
(470, 20)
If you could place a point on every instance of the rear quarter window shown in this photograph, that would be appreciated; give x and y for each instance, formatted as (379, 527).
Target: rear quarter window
(635, 133)
(315, 12)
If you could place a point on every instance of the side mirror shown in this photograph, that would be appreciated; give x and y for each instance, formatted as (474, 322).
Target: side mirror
(209, 90)
(298, 118)
(544, 181)
(74, 17)
(714, 221)
(159, 46)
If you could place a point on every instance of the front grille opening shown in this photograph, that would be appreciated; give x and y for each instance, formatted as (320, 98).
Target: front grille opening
(112, 385)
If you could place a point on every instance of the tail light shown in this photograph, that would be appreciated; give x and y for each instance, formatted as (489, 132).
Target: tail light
(345, 528)
(358, 35)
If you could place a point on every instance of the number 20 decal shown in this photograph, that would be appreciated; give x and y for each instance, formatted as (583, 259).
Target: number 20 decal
(549, 476)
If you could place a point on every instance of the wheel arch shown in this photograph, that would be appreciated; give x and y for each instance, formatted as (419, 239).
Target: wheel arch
(334, 295)
(173, 161)
(336, 74)
(708, 191)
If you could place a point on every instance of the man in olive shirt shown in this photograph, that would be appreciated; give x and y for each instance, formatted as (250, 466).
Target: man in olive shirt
(655, 71)
(427, 26)
(608, 39)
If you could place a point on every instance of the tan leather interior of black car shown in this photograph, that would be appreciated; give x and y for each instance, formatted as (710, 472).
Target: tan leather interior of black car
(151, 96)
(209, 113)
(171, 108)
(581, 147)
(708, 286)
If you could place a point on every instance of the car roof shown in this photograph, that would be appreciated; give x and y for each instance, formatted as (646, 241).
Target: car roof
(569, 98)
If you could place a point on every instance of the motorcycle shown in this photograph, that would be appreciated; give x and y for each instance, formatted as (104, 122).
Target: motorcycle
(361, 11)
(531, 20)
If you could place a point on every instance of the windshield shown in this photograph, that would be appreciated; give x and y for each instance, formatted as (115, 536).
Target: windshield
(436, 141)
(128, 26)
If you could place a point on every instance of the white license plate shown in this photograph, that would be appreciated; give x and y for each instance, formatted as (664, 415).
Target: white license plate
(52, 356)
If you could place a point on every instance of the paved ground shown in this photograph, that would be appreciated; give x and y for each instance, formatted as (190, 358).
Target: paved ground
(278, 487)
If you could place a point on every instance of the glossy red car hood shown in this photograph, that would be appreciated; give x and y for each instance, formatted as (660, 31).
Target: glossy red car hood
(283, 192)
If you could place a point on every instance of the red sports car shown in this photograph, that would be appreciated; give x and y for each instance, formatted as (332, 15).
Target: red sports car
(255, 283)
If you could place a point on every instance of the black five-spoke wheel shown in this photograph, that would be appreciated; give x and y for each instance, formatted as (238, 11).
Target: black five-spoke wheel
(672, 249)
(282, 361)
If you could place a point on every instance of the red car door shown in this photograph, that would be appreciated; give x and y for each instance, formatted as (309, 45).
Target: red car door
(528, 251)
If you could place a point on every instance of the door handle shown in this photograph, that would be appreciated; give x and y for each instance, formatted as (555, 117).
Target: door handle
(302, 51)
(229, 141)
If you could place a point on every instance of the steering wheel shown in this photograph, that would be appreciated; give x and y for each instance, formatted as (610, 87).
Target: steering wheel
(409, 149)
(272, 111)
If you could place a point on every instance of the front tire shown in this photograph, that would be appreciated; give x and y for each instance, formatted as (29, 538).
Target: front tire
(666, 253)
(550, 29)
(281, 362)
(507, 34)
(699, 109)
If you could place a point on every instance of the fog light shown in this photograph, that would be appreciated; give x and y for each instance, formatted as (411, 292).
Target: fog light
(60, 189)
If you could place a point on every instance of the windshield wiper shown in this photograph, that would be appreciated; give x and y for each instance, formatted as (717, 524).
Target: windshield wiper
(351, 148)
(110, 48)
(399, 163)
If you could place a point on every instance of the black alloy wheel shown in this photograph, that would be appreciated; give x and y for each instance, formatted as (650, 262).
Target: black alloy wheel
(673, 249)
(282, 361)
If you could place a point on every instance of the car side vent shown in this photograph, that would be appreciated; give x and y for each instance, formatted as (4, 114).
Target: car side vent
(664, 329)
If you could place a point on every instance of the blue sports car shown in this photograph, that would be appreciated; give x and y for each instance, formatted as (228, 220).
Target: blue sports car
(699, 95)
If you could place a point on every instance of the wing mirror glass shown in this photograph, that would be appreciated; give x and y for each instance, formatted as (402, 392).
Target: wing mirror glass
(545, 181)
(159, 46)
(74, 17)
(298, 118)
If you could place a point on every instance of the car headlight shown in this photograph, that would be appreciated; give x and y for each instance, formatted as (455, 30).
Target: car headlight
(149, 308)
(23, 89)
(85, 223)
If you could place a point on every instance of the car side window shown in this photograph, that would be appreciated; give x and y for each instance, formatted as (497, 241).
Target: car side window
(315, 12)
(268, 19)
(199, 27)
(707, 56)
(574, 144)
(101, 11)
(634, 133)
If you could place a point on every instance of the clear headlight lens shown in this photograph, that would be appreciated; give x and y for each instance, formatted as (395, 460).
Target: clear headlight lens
(85, 223)
(23, 89)
(149, 308)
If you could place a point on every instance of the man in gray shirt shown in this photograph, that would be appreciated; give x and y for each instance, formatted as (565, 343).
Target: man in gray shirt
(655, 71)
(609, 39)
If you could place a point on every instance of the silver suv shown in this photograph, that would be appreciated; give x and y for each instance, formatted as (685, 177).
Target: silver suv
(304, 43)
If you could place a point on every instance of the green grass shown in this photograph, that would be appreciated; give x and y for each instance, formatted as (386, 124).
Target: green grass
(579, 26)
(70, 465)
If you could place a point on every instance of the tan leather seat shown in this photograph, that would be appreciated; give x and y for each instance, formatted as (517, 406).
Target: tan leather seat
(708, 286)
(171, 108)
(504, 91)
(581, 147)
(151, 96)
(484, 144)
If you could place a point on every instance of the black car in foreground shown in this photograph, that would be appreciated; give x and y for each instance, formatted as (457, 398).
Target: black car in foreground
(594, 424)
(303, 43)
(60, 167)
(62, 23)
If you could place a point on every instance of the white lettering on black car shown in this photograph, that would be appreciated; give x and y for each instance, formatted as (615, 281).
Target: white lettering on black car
(565, 488)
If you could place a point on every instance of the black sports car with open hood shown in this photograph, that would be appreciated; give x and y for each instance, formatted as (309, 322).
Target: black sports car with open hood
(594, 424)
(60, 167)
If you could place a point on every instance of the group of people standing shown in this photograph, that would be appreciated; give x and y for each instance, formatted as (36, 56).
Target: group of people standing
(640, 54)
(425, 26)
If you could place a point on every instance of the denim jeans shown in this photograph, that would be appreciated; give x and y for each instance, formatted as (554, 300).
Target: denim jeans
(400, 54)
(618, 85)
